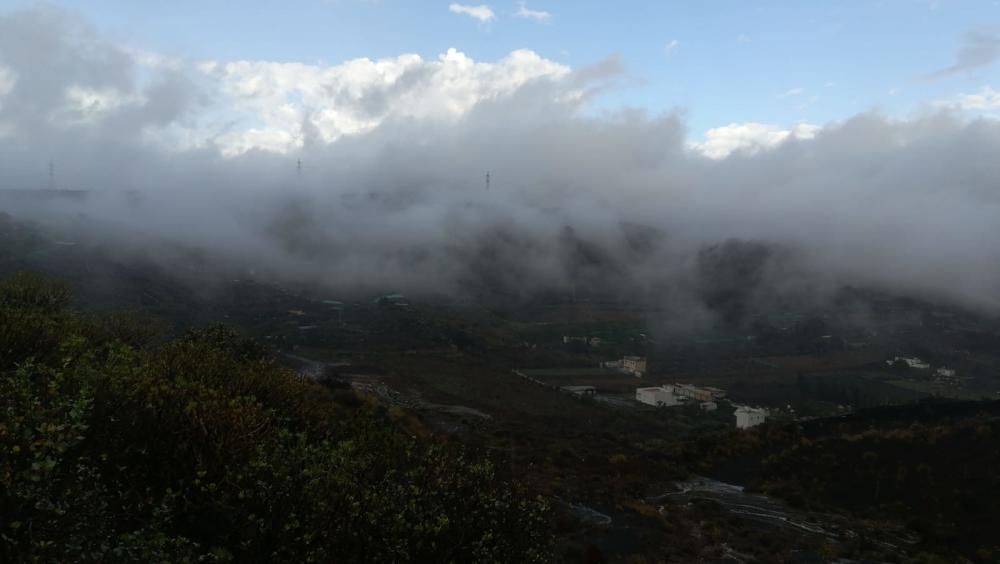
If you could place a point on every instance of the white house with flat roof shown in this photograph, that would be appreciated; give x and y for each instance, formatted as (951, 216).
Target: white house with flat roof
(747, 417)
(659, 396)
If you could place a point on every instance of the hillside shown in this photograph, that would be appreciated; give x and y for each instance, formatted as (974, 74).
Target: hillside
(933, 467)
(269, 463)
(119, 446)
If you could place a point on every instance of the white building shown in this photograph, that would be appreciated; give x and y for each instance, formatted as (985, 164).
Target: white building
(709, 406)
(911, 362)
(634, 365)
(659, 396)
(945, 372)
(699, 394)
(747, 417)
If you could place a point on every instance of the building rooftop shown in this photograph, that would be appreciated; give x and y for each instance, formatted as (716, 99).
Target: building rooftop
(747, 409)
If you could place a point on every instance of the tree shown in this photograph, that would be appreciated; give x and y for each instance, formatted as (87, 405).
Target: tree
(200, 449)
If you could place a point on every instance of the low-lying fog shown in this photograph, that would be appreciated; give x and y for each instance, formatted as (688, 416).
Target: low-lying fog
(373, 173)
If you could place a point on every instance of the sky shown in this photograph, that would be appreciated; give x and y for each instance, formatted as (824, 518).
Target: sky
(346, 142)
(779, 63)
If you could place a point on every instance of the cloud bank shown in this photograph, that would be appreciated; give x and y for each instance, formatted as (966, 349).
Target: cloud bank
(372, 173)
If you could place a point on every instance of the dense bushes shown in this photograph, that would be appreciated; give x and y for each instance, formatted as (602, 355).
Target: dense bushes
(932, 466)
(199, 449)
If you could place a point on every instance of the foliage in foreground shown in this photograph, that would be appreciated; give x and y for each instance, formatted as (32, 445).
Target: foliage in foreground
(113, 448)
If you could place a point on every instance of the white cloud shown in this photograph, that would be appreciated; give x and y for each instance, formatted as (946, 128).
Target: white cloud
(286, 99)
(986, 100)
(528, 14)
(273, 139)
(749, 138)
(671, 45)
(88, 105)
(8, 79)
(482, 12)
(791, 92)
(153, 60)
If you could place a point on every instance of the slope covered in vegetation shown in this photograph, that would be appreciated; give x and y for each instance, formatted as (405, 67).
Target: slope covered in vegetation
(116, 445)
(933, 466)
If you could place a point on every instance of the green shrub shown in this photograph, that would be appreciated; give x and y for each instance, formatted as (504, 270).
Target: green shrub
(115, 448)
